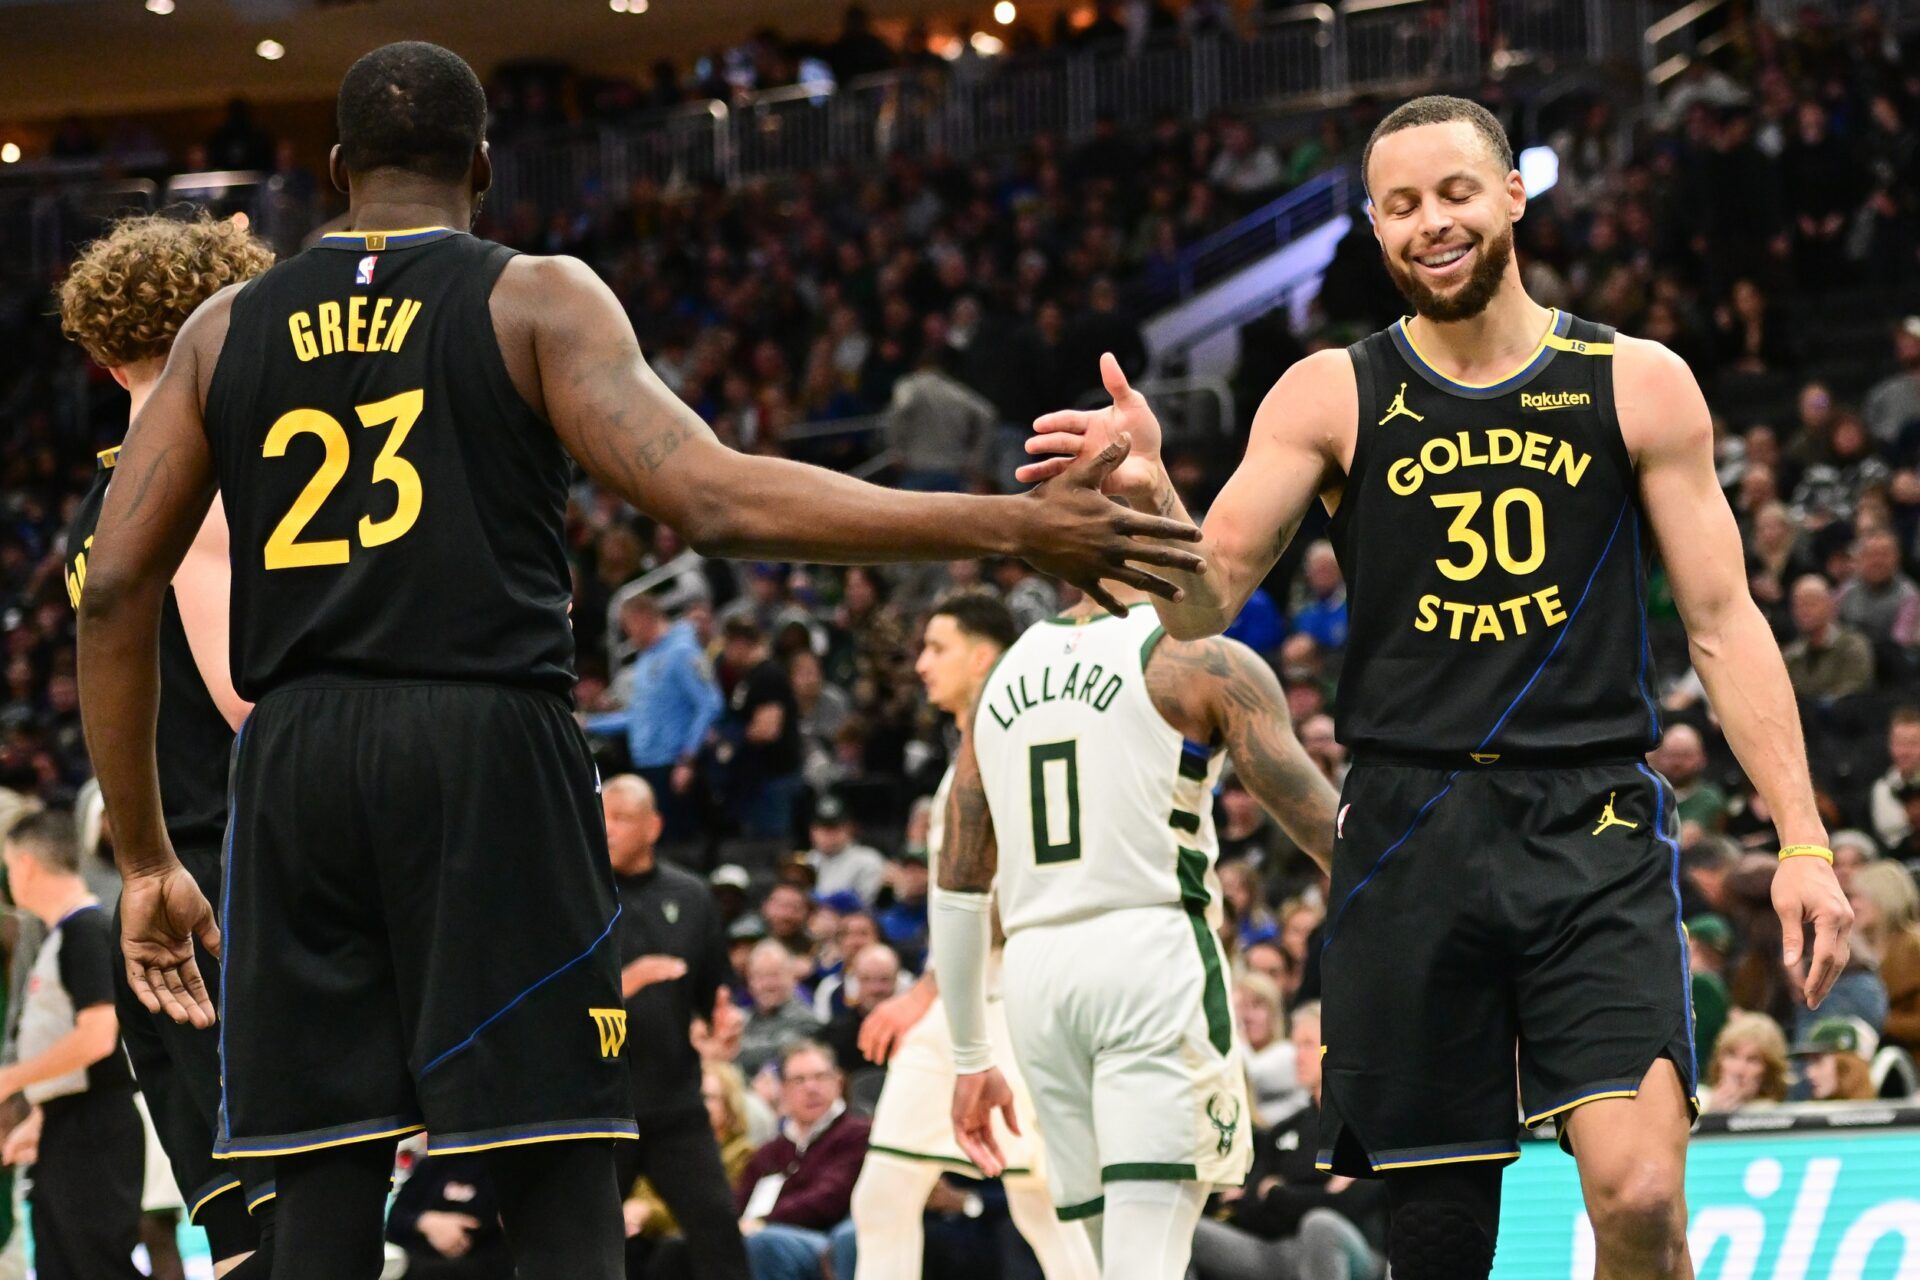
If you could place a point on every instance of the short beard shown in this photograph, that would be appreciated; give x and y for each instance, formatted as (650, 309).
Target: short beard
(1471, 298)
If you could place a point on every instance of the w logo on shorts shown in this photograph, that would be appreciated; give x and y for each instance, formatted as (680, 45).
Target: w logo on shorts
(612, 1025)
(1223, 1110)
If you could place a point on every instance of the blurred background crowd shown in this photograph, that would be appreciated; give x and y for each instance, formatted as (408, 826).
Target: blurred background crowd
(1759, 214)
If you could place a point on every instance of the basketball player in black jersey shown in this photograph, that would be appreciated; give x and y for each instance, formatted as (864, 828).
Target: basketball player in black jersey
(418, 913)
(123, 300)
(1505, 869)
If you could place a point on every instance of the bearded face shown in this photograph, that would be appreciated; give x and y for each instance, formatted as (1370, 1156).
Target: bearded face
(1427, 277)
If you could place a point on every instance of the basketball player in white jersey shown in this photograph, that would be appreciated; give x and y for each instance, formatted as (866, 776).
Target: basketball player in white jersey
(912, 1140)
(1089, 761)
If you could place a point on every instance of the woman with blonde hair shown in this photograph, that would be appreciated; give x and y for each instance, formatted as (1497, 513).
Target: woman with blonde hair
(1749, 1066)
(1886, 915)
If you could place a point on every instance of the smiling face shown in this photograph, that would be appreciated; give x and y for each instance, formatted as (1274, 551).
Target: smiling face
(1443, 211)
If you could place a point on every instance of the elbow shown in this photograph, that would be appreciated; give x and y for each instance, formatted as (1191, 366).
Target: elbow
(1189, 624)
(713, 526)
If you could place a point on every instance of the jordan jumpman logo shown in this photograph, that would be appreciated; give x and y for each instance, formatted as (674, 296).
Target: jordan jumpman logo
(1399, 407)
(1609, 819)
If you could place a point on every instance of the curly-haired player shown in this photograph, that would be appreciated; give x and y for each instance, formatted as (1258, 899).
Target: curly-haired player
(123, 301)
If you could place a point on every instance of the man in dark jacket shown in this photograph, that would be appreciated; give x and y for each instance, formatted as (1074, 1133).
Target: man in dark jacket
(795, 1194)
(1291, 1221)
(448, 1220)
(673, 957)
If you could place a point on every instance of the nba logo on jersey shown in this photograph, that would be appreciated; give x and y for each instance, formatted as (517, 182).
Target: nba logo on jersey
(365, 274)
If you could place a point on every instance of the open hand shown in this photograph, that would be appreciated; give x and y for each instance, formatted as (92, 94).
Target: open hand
(1805, 892)
(1082, 536)
(161, 913)
(1059, 438)
(891, 1019)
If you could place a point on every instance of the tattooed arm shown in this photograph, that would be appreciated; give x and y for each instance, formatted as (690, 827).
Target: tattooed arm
(1219, 691)
(163, 484)
(580, 367)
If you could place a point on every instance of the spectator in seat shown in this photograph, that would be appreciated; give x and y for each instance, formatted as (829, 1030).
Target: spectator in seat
(1852, 850)
(1748, 1066)
(1320, 610)
(1828, 660)
(1880, 601)
(1291, 1219)
(1886, 909)
(447, 1220)
(786, 912)
(1894, 401)
(795, 1193)
(1246, 833)
(672, 704)
(1272, 1075)
(904, 923)
(1318, 737)
(873, 977)
(1834, 1054)
(778, 1015)
(854, 932)
(840, 865)
(1705, 865)
(1682, 758)
(1241, 890)
(1247, 166)
(1835, 485)
(1709, 940)
(1100, 328)
(1889, 814)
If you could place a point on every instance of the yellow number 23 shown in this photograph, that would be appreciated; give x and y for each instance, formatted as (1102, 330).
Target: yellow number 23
(284, 550)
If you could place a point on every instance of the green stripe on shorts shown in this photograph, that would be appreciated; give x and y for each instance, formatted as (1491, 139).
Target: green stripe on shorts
(1149, 1173)
(1086, 1209)
(1192, 869)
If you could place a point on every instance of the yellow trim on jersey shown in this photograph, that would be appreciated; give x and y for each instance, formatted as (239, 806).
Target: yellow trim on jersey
(317, 1146)
(1581, 1102)
(1546, 340)
(522, 1142)
(1578, 347)
(358, 234)
(108, 457)
(1421, 1164)
(211, 1196)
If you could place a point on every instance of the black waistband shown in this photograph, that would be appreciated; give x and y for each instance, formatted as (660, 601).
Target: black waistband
(1468, 761)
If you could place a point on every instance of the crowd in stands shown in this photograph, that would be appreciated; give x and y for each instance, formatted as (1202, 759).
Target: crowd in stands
(1763, 222)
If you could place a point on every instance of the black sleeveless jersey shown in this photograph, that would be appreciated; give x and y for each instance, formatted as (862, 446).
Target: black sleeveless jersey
(396, 507)
(192, 738)
(1495, 559)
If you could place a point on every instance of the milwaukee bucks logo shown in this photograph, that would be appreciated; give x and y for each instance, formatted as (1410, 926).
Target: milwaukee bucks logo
(1223, 1111)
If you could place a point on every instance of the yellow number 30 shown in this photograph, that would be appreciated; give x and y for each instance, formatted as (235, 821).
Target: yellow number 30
(284, 549)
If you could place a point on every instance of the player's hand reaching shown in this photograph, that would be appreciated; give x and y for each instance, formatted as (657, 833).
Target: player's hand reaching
(161, 913)
(976, 1096)
(644, 972)
(1806, 892)
(890, 1020)
(1083, 537)
(1060, 438)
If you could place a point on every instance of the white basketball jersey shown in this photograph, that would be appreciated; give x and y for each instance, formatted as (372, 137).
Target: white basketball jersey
(1099, 804)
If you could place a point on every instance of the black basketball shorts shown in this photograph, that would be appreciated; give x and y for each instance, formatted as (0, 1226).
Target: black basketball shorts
(1484, 911)
(178, 1069)
(420, 924)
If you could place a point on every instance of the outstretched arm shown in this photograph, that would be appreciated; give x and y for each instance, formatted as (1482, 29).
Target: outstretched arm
(1220, 691)
(961, 937)
(1670, 434)
(634, 435)
(162, 486)
(1289, 456)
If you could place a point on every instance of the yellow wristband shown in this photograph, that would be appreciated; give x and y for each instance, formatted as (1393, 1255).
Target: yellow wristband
(1807, 851)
